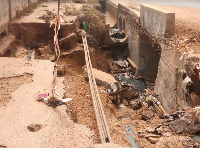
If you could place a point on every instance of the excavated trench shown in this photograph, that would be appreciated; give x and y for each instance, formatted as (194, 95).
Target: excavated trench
(38, 38)
(31, 39)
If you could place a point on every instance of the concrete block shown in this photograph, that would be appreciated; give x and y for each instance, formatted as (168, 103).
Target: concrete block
(101, 77)
(156, 21)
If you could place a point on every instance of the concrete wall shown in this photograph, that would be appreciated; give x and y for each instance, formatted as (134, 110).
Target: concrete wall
(166, 82)
(122, 17)
(17, 5)
(142, 53)
(4, 15)
(112, 9)
(164, 64)
(156, 21)
(8, 9)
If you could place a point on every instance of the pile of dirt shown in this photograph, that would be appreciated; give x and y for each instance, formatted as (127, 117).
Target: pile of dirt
(49, 16)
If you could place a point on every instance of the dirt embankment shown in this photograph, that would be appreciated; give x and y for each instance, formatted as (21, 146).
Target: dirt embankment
(81, 107)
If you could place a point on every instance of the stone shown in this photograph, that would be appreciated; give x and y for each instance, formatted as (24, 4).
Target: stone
(153, 140)
(34, 127)
(147, 115)
(125, 102)
(61, 69)
(134, 104)
(44, 50)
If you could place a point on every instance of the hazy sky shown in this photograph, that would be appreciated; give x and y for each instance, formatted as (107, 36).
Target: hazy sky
(182, 3)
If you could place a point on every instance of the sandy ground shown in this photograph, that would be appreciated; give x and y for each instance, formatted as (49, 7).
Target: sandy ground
(51, 6)
(23, 109)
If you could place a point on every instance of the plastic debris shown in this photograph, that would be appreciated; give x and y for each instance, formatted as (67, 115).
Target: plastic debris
(132, 141)
(52, 101)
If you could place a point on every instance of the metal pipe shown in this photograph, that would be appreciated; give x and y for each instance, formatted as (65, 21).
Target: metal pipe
(58, 7)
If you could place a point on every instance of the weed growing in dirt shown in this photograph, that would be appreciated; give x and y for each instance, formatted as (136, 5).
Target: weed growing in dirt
(95, 22)
(27, 10)
(71, 10)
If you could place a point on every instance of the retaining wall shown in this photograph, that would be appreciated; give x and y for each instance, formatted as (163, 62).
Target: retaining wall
(4, 15)
(8, 9)
(112, 9)
(157, 22)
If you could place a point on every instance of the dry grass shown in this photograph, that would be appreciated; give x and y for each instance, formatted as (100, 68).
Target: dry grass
(27, 10)
(95, 22)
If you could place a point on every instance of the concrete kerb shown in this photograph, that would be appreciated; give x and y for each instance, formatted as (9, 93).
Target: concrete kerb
(158, 22)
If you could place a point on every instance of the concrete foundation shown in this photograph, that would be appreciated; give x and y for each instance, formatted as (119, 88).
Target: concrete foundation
(159, 23)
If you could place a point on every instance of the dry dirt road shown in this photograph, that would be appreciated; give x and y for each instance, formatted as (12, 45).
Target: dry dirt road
(22, 109)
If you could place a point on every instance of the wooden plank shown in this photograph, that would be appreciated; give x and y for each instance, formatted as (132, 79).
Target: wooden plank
(131, 62)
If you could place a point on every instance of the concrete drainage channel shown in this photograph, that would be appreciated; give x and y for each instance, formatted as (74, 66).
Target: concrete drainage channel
(134, 114)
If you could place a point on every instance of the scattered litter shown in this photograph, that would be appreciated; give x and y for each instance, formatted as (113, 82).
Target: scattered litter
(49, 16)
(103, 91)
(52, 101)
(128, 129)
(34, 127)
(184, 53)
(117, 34)
(189, 143)
(132, 141)
(196, 137)
(125, 118)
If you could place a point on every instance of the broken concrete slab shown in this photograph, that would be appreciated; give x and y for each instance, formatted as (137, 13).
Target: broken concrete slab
(132, 63)
(102, 78)
(6, 43)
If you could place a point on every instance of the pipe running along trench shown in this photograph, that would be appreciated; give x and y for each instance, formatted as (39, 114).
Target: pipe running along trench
(100, 116)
